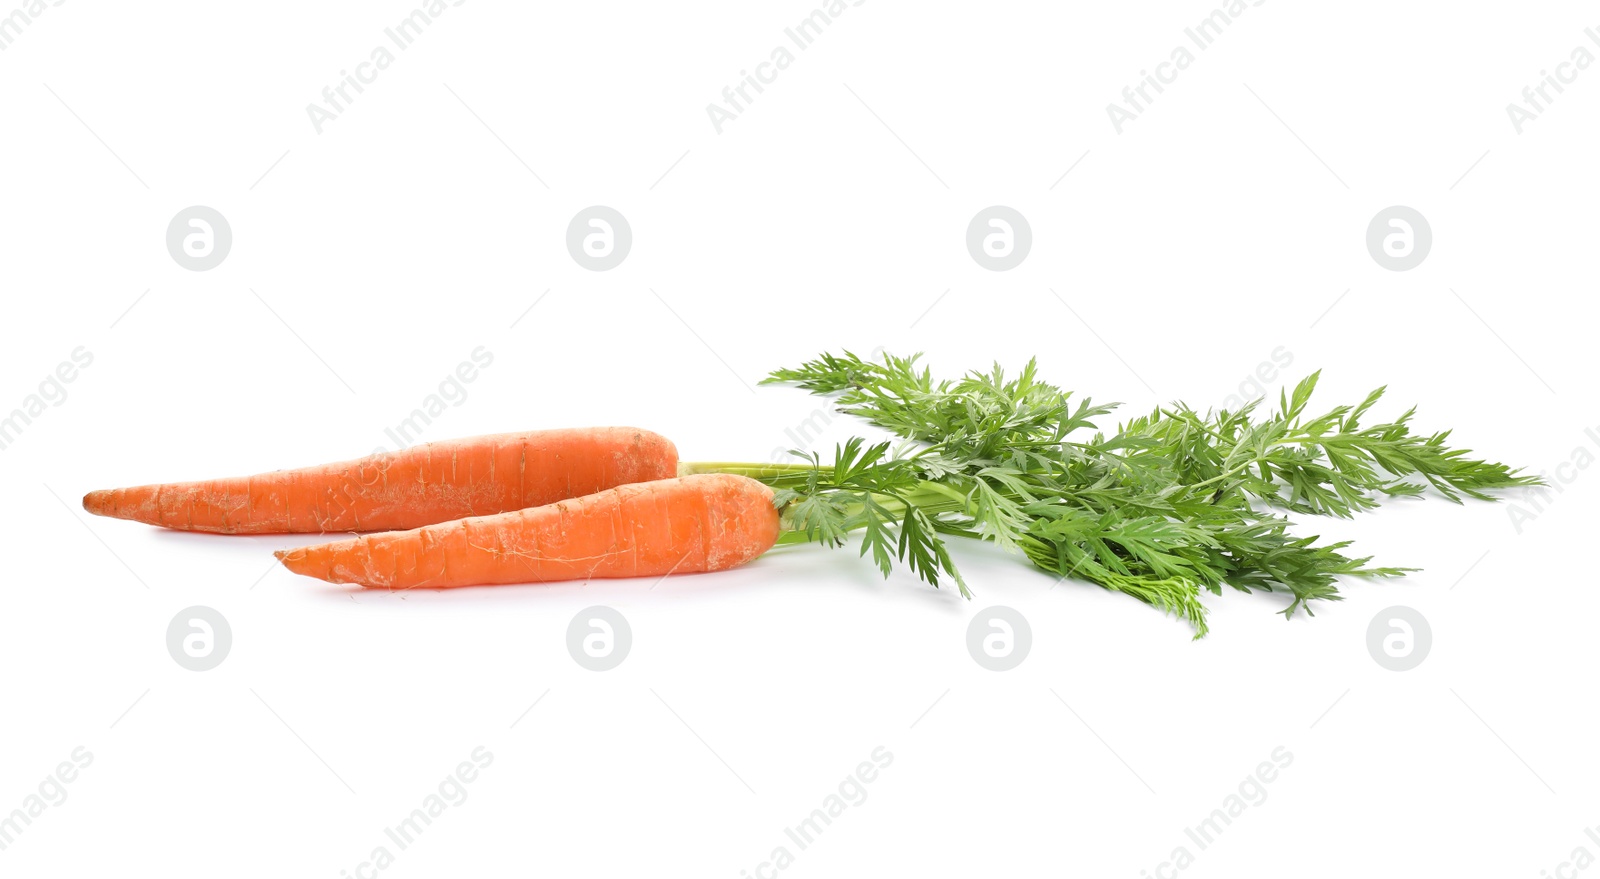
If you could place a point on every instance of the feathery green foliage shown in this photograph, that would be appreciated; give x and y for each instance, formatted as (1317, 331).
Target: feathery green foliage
(1171, 503)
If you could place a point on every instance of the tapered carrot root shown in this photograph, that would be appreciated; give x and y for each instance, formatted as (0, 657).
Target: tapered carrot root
(686, 525)
(419, 486)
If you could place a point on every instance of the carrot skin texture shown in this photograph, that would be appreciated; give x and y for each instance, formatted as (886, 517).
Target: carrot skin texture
(422, 485)
(690, 524)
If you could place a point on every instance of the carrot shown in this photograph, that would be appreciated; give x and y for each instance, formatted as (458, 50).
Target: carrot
(419, 486)
(686, 525)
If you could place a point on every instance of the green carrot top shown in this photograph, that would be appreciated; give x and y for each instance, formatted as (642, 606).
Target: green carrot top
(1171, 502)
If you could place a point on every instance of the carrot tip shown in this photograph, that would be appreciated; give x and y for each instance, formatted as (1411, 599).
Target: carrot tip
(95, 501)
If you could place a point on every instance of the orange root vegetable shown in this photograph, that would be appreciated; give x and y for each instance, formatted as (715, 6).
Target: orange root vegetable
(418, 486)
(686, 525)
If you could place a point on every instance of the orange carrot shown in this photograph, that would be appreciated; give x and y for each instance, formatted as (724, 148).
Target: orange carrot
(419, 486)
(686, 525)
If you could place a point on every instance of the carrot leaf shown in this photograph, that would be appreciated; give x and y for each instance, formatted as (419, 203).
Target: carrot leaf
(1169, 504)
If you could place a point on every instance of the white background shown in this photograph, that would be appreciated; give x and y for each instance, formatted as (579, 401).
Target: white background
(370, 259)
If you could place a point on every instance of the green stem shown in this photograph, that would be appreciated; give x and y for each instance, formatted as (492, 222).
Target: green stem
(744, 468)
(932, 497)
(945, 490)
(1245, 465)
